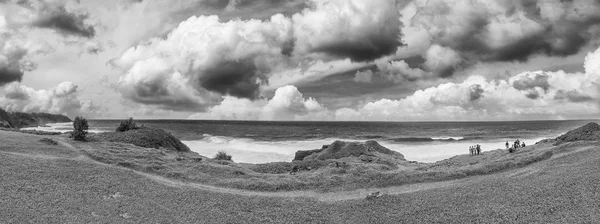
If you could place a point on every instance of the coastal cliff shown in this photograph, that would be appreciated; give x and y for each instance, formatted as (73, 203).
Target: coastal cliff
(22, 120)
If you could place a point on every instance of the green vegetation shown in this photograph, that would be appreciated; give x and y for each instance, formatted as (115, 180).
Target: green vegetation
(221, 155)
(48, 141)
(80, 127)
(21, 120)
(147, 137)
(127, 125)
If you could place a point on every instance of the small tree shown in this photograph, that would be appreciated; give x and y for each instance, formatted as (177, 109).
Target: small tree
(221, 155)
(127, 125)
(80, 127)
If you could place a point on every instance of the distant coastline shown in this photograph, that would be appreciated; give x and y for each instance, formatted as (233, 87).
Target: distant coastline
(24, 120)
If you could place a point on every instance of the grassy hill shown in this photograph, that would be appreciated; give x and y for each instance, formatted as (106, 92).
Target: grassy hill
(21, 120)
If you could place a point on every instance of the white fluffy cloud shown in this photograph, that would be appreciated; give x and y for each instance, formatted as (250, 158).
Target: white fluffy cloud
(287, 104)
(62, 99)
(206, 58)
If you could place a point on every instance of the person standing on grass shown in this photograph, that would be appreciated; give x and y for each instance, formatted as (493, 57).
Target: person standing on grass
(523, 145)
(507, 145)
(478, 149)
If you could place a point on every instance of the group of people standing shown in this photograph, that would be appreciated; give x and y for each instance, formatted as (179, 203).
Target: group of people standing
(475, 149)
(517, 144)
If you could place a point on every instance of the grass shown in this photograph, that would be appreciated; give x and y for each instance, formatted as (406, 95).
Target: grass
(144, 137)
(33, 132)
(48, 141)
(327, 175)
(62, 189)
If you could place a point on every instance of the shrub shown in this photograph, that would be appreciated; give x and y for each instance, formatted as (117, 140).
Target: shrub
(48, 141)
(221, 155)
(80, 127)
(127, 125)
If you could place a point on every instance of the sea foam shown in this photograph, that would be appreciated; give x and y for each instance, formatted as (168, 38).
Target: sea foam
(247, 150)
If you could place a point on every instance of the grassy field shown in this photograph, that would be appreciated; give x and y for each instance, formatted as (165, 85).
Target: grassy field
(320, 175)
(47, 183)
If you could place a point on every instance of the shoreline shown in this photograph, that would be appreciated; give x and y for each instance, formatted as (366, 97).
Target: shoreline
(251, 151)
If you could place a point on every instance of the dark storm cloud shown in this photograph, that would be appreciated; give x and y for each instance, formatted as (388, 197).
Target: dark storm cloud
(572, 96)
(234, 78)
(10, 74)
(529, 82)
(475, 92)
(57, 18)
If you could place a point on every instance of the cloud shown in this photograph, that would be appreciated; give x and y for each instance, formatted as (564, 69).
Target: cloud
(475, 92)
(13, 61)
(558, 95)
(477, 31)
(361, 31)
(50, 15)
(527, 95)
(287, 104)
(400, 71)
(363, 76)
(207, 56)
(572, 95)
(62, 99)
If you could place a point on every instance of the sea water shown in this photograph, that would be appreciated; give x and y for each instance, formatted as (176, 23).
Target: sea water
(266, 141)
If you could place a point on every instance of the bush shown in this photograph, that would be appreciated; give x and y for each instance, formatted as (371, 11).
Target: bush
(80, 127)
(48, 141)
(222, 156)
(127, 125)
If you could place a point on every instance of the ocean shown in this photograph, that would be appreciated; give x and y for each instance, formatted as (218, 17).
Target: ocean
(266, 141)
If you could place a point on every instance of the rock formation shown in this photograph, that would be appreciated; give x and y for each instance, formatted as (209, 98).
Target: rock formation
(365, 151)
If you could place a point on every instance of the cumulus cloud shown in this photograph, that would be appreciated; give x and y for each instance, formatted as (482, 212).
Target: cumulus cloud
(528, 95)
(467, 32)
(50, 15)
(239, 58)
(399, 71)
(558, 95)
(62, 99)
(207, 56)
(287, 104)
(13, 57)
(359, 30)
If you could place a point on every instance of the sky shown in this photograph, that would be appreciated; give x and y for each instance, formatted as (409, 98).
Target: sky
(329, 60)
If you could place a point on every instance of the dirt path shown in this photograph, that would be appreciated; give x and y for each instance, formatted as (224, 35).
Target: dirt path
(324, 197)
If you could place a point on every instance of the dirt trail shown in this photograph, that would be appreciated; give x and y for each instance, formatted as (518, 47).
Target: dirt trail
(324, 197)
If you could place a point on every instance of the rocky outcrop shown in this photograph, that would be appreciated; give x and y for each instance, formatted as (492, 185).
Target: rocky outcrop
(588, 132)
(365, 151)
(146, 137)
(22, 120)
